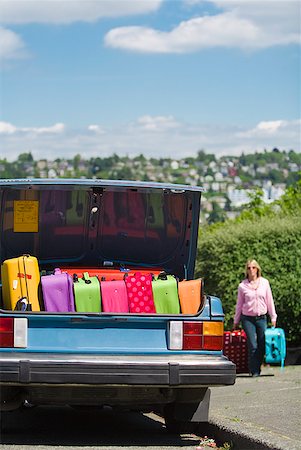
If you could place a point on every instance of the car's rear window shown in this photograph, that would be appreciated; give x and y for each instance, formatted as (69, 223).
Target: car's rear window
(140, 227)
(53, 224)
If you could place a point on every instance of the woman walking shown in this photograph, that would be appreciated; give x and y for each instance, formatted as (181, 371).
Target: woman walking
(254, 301)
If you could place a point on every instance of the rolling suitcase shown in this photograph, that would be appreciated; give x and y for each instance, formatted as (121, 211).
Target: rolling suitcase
(87, 293)
(190, 295)
(236, 349)
(20, 279)
(57, 292)
(140, 294)
(165, 292)
(114, 296)
(275, 346)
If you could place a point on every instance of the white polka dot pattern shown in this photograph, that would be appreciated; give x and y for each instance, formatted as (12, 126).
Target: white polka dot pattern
(140, 294)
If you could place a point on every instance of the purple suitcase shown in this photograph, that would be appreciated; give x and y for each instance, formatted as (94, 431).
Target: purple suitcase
(57, 291)
(114, 296)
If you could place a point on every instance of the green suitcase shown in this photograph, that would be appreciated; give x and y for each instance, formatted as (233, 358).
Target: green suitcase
(165, 291)
(75, 212)
(87, 293)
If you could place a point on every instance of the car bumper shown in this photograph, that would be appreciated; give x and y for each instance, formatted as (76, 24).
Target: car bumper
(187, 370)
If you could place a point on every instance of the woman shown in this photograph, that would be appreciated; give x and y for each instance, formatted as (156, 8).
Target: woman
(254, 301)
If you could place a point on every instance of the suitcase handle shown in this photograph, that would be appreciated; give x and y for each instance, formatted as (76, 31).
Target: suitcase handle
(75, 278)
(162, 276)
(86, 278)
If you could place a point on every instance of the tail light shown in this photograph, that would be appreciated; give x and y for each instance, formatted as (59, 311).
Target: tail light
(196, 335)
(13, 332)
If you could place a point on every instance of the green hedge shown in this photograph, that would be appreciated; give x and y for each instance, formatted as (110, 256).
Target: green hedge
(275, 242)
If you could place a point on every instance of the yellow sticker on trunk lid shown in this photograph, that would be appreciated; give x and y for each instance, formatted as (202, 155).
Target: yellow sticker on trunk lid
(26, 216)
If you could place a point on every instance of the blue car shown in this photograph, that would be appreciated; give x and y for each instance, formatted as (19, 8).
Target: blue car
(147, 361)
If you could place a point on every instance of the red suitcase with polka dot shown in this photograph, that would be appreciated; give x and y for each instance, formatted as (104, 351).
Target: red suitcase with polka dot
(236, 349)
(140, 294)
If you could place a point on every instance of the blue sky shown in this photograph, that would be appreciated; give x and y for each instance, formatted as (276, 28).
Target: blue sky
(160, 77)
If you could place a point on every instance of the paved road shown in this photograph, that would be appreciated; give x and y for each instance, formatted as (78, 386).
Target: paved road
(255, 414)
(46, 428)
(265, 409)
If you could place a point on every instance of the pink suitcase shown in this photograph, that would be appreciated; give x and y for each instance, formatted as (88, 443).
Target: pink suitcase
(140, 294)
(57, 291)
(114, 296)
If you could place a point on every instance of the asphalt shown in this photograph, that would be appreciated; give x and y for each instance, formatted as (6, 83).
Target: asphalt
(259, 413)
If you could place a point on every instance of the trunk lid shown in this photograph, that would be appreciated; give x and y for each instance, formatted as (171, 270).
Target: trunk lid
(96, 223)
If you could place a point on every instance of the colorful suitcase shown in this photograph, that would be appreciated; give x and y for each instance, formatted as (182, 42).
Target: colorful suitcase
(114, 296)
(87, 293)
(275, 346)
(76, 207)
(20, 279)
(57, 292)
(140, 294)
(165, 292)
(190, 295)
(236, 349)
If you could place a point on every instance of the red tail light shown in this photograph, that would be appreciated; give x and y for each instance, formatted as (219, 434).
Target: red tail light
(13, 332)
(7, 332)
(196, 335)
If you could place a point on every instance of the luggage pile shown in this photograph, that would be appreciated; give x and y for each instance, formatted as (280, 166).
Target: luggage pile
(93, 290)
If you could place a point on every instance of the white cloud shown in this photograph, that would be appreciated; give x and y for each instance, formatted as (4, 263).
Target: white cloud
(245, 24)
(96, 129)
(157, 123)
(154, 136)
(12, 45)
(272, 129)
(8, 128)
(68, 11)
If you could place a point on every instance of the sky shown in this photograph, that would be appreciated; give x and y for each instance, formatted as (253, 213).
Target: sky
(163, 78)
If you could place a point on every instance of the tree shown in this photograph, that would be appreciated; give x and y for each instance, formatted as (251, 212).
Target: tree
(217, 214)
(25, 157)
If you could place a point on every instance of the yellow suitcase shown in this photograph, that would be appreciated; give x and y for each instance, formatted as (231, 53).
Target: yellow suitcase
(20, 278)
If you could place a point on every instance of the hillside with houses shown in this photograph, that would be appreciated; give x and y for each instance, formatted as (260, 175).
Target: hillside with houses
(229, 180)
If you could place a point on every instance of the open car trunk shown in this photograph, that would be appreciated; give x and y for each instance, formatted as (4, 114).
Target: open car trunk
(113, 227)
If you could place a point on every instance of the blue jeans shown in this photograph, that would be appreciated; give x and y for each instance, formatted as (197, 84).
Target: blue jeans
(255, 328)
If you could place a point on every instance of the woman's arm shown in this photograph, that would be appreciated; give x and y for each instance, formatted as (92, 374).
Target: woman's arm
(270, 304)
(238, 309)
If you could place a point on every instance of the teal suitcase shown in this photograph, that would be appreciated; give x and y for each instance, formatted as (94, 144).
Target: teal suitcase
(165, 292)
(87, 293)
(275, 346)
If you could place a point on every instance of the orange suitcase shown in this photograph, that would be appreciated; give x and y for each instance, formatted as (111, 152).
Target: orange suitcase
(20, 278)
(190, 295)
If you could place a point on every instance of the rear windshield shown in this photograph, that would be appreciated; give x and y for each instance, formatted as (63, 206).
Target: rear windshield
(137, 226)
(72, 225)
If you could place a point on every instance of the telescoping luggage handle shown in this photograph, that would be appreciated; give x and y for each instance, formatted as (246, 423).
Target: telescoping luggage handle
(86, 278)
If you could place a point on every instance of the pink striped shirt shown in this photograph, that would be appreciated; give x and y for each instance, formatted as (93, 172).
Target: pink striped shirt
(255, 302)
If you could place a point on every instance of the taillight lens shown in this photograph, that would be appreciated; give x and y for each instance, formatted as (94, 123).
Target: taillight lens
(196, 335)
(6, 332)
(13, 332)
(192, 335)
